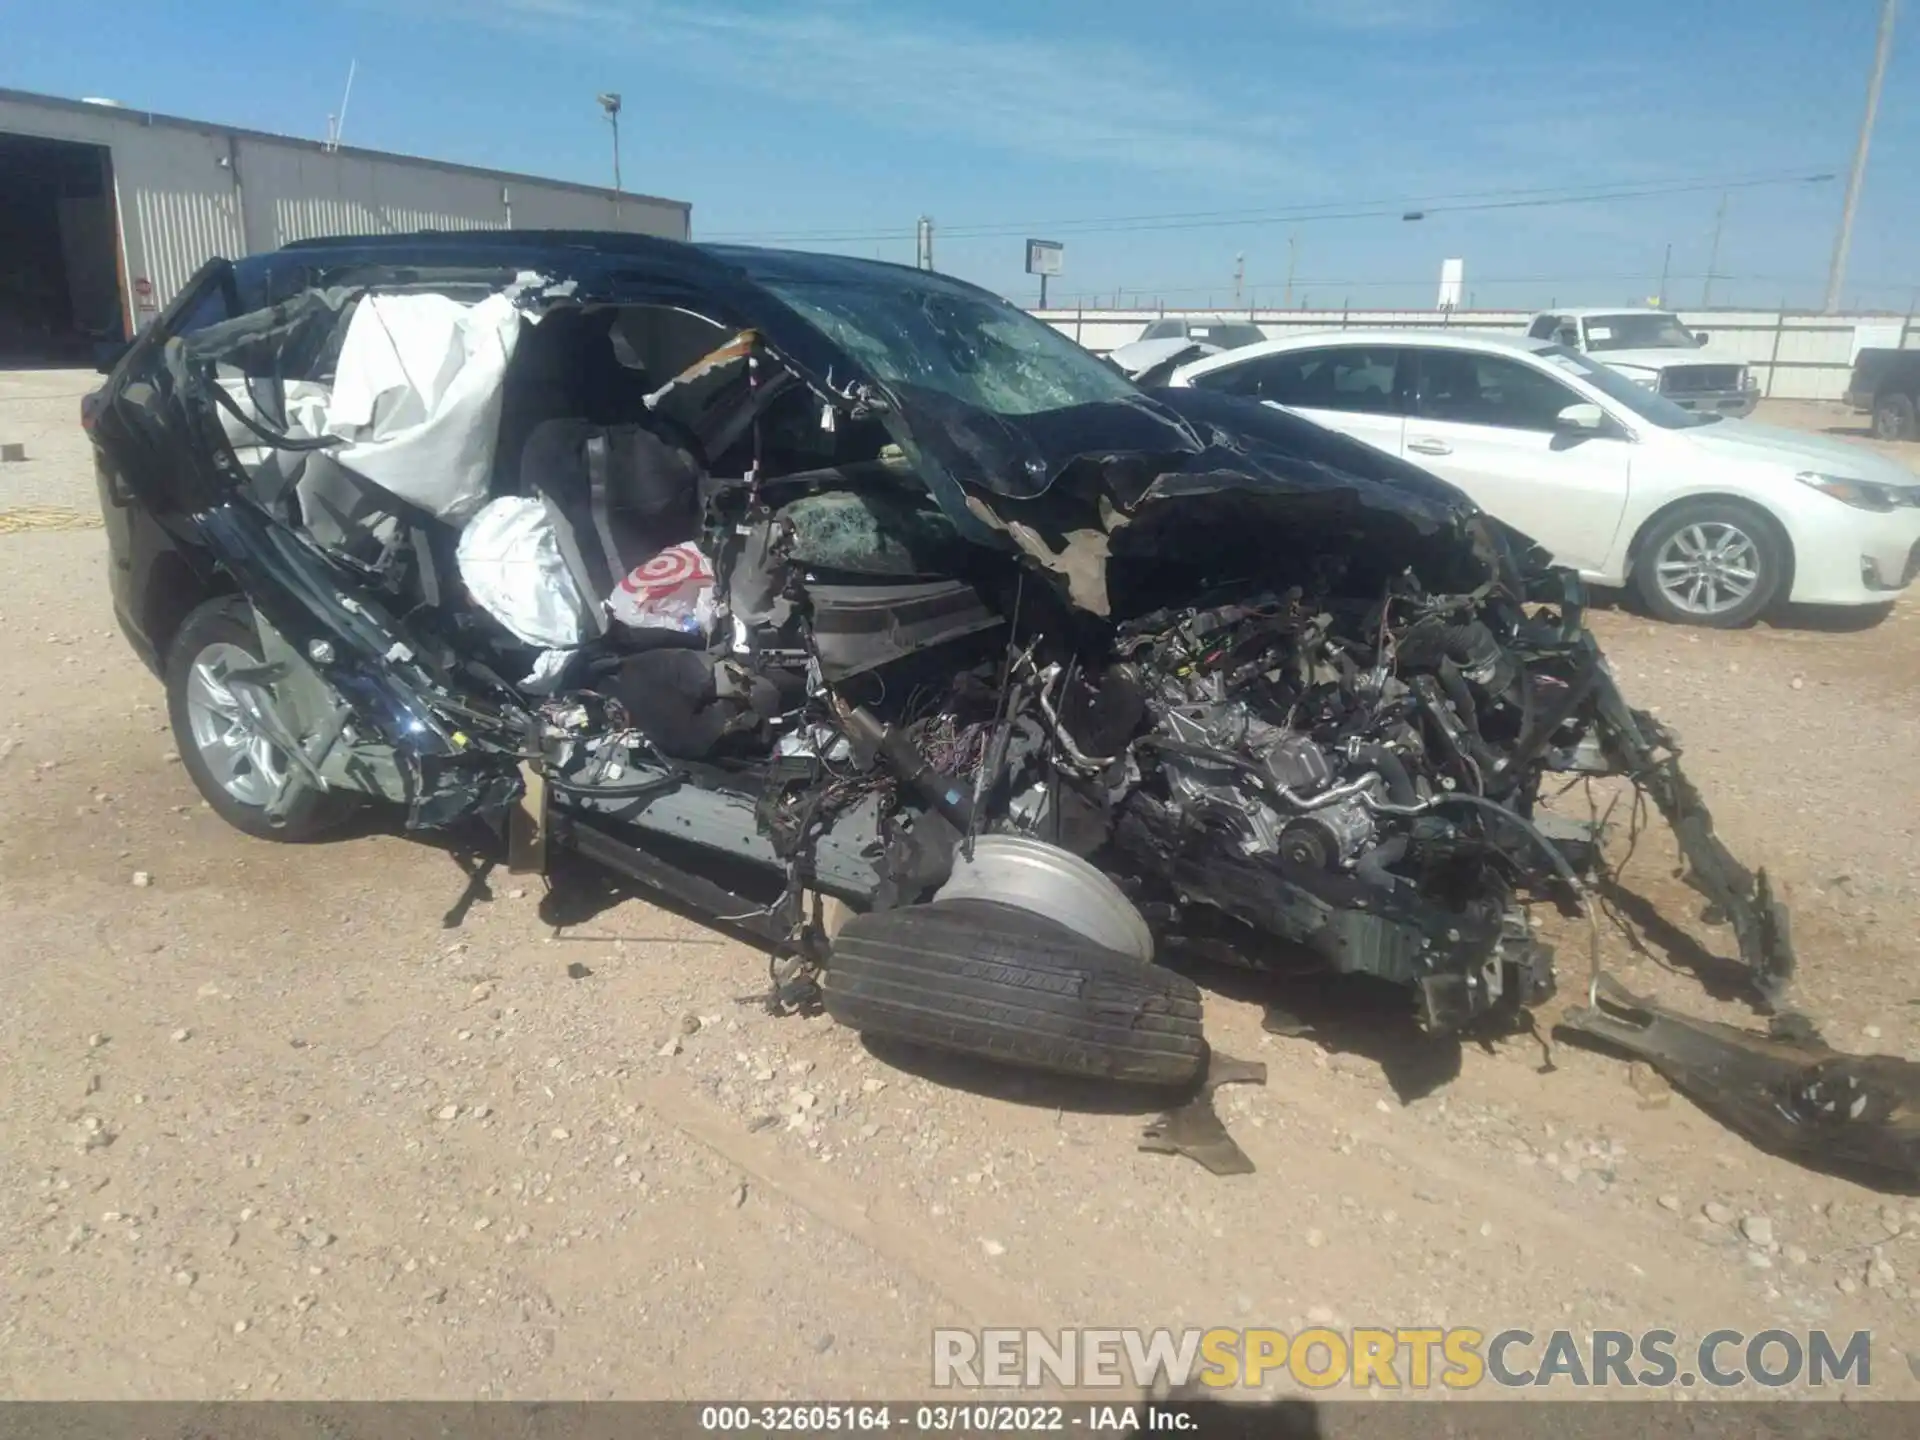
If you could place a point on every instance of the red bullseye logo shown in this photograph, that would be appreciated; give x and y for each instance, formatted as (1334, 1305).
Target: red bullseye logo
(666, 571)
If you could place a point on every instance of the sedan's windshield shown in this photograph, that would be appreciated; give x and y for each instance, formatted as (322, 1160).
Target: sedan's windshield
(1622, 391)
(1638, 332)
(924, 332)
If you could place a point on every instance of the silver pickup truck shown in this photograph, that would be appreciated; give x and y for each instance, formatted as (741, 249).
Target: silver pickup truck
(1652, 348)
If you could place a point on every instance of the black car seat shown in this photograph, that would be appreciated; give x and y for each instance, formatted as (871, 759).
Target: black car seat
(619, 495)
(564, 367)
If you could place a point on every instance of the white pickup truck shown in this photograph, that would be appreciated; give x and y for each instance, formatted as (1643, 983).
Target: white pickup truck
(1652, 348)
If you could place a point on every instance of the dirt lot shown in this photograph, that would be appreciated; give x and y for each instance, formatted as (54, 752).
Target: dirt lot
(282, 1122)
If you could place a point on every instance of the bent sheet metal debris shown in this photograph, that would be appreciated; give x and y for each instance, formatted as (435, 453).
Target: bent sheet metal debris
(1787, 1090)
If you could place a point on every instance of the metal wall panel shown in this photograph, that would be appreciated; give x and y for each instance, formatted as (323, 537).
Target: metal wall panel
(296, 192)
(176, 194)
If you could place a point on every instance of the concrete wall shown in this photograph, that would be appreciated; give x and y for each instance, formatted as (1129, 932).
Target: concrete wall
(1794, 356)
(186, 191)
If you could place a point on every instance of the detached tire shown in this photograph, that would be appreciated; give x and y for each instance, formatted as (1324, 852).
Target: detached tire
(1717, 563)
(1894, 418)
(984, 979)
(235, 773)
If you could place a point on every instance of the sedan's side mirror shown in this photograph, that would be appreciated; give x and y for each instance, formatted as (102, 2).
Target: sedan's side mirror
(1582, 418)
(1699, 337)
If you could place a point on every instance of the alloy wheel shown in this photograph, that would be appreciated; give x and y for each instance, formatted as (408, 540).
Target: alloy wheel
(1708, 568)
(242, 762)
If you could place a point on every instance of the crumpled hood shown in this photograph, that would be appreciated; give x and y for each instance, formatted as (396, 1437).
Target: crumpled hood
(1188, 472)
(1796, 450)
(1182, 430)
(1666, 357)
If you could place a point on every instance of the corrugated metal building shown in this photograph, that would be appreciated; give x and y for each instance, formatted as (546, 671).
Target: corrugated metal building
(105, 211)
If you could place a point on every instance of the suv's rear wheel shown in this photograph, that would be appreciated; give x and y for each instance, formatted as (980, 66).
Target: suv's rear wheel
(236, 770)
(1894, 418)
(1711, 562)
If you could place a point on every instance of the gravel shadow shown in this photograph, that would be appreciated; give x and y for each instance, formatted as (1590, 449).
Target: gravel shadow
(1343, 1015)
(1723, 977)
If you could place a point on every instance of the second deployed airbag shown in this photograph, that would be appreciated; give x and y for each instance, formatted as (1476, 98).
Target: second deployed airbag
(512, 564)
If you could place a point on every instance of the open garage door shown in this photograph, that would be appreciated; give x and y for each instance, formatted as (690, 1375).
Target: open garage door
(59, 272)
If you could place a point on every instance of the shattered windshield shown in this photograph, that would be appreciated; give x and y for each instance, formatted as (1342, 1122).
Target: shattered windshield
(1638, 332)
(919, 331)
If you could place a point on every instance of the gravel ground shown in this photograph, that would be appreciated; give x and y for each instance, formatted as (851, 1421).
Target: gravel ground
(281, 1123)
(40, 409)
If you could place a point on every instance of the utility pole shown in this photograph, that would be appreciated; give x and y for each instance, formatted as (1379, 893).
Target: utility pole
(610, 103)
(1286, 302)
(923, 243)
(1666, 266)
(1837, 273)
(1239, 276)
(1713, 254)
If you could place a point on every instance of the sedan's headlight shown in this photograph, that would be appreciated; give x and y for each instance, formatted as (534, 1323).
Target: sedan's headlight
(1862, 494)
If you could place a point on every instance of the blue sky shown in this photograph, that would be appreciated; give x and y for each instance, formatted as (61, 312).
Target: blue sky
(853, 117)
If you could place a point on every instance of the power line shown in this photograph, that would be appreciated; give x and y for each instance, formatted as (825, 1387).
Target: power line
(1322, 210)
(1364, 209)
(1424, 209)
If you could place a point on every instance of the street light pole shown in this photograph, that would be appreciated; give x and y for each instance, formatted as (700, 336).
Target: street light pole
(1837, 273)
(610, 102)
(1713, 255)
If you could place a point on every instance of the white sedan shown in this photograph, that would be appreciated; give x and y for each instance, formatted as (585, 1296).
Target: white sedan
(1710, 520)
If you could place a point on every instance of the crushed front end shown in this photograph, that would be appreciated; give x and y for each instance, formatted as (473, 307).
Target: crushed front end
(1305, 742)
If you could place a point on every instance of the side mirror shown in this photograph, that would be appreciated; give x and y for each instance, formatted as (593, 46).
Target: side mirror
(1699, 337)
(1582, 418)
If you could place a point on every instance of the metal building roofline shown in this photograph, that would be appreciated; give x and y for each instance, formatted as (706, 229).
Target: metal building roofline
(150, 119)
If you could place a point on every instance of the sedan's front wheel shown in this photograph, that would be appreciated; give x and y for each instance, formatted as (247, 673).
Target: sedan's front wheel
(1713, 562)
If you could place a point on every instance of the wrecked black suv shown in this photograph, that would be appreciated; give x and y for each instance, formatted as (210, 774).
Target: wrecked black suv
(858, 610)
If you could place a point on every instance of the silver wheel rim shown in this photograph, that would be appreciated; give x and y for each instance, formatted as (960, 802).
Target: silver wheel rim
(1708, 568)
(242, 763)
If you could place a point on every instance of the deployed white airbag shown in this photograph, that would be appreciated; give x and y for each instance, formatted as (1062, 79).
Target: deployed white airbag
(510, 560)
(416, 395)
